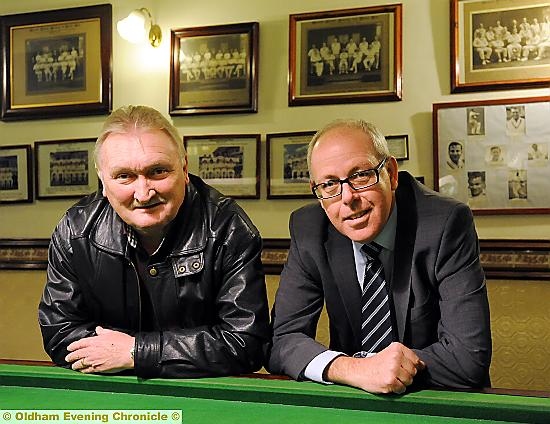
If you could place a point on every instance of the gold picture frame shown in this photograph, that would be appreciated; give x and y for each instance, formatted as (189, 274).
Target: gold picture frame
(57, 63)
(499, 45)
(343, 56)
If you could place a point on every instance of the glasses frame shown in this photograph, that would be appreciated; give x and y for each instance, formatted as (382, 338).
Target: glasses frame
(376, 170)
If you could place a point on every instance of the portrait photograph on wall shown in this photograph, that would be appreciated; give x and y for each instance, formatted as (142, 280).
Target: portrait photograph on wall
(230, 163)
(342, 56)
(65, 168)
(57, 63)
(15, 174)
(287, 171)
(503, 169)
(214, 69)
(499, 44)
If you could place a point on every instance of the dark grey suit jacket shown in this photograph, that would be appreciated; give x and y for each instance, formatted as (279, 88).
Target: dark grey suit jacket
(438, 291)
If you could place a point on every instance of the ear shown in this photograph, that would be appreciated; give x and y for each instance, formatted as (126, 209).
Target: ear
(185, 169)
(393, 171)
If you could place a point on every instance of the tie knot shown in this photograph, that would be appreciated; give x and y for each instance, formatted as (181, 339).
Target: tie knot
(372, 250)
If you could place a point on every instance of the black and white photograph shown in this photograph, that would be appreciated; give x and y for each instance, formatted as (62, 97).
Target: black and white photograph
(517, 184)
(476, 121)
(345, 55)
(537, 153)
(214, 69)
(515, 120)
(499, 44)
(15, 174)
(56, 64)
(65, 168)
(223, 162)
(287, 171)
(229, 163)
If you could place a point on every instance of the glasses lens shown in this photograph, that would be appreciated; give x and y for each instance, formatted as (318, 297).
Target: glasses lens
(363, 179)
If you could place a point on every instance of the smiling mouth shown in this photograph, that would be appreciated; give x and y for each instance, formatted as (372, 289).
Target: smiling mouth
(357, 215)
(150, 206)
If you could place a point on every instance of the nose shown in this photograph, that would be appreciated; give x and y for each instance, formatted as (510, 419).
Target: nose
(143, 192)
(348, 193)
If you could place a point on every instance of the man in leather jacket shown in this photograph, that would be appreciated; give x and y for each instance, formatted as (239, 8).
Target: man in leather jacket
(159, 272)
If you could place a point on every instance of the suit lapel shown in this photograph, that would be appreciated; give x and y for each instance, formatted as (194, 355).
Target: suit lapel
(342, 263)
(407, 222)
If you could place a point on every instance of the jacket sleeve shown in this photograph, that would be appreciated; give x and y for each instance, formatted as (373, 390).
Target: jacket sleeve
(62, 313)
(235, 340)
(296, 312)
(462, 354)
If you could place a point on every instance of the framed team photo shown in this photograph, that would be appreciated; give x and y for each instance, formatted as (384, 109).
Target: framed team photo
(57, 63)
(15, 174)
(505, 171)
(229, 163)
(343, 56)
(287, 170)
(214, 69)
(65, 168)
(499, 44)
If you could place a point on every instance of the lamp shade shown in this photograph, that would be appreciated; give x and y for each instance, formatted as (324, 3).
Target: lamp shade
(134, 27)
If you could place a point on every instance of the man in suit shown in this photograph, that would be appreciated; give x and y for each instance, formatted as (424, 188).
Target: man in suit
(440, 329)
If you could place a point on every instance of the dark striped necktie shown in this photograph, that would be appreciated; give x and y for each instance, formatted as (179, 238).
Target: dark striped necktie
(376, 326)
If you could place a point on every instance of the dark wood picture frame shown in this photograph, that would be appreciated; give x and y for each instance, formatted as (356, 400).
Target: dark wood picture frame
(57, 63)
(504, 167)
(214, 69)
(287, 171)
(65, 169)
(228, 162)
(16, 174)
(399, 146)
(506, 59)
(319, 71)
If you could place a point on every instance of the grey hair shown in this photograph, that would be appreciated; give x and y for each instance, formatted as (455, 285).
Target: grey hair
(378, 140)
(128, 118)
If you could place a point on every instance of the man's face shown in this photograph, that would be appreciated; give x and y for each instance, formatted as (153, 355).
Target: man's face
(515, 113)
(476, 186)
(143, 179)
(455, 151)
(358, 214)
(495, 153)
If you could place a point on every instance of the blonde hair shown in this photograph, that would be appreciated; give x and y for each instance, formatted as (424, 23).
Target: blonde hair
(129, 118)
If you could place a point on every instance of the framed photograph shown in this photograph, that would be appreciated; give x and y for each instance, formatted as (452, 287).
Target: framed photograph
(399, 146)
(214, 69)
(287, 171)
(15, 174)
(499, 44)
(229, 163)
(65, 168)
(57, 63)
(343, 56)
(503, 168)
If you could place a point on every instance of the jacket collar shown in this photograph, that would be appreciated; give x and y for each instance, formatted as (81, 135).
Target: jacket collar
(188, 233)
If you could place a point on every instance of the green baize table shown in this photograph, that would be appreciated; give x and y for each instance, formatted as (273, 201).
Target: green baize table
(251, 399)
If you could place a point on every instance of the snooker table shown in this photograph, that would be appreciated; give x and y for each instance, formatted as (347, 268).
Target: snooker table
(256, 399)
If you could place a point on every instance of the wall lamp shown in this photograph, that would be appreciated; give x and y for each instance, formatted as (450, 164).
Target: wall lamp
(134, 27)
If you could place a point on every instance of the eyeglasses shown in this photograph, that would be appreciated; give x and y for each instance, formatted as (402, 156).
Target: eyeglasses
(357, 181)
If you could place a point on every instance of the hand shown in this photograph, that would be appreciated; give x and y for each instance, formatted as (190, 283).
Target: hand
(389, 371)
(108, 352)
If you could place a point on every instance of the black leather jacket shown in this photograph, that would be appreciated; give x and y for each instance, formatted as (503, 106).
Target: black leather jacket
(211, 302)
